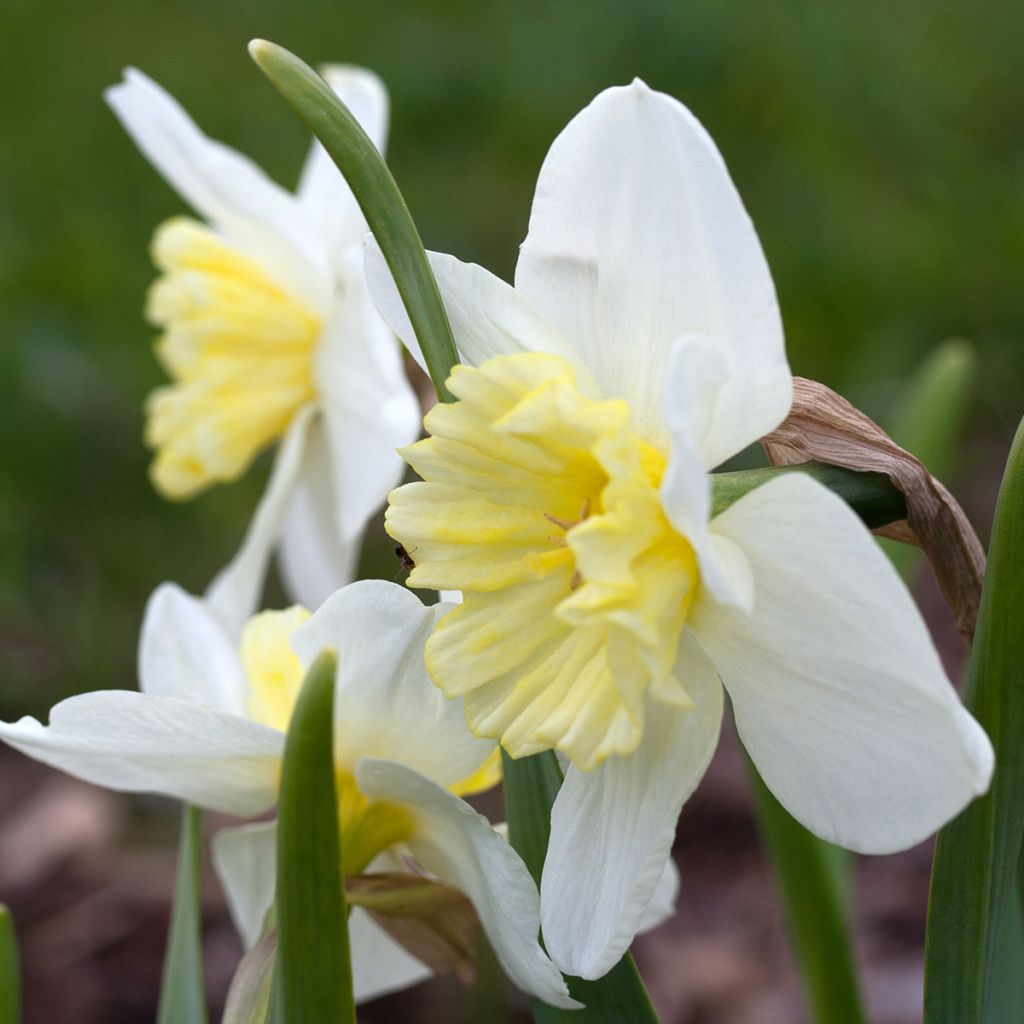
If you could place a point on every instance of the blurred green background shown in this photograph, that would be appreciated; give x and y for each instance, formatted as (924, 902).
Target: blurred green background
(879, 148)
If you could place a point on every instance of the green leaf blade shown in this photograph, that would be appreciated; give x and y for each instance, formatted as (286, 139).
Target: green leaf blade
(182, 990)
(812, 878)
(313, 972)
(378, 196)
(10, 969)
(976, 855)
(531, 785)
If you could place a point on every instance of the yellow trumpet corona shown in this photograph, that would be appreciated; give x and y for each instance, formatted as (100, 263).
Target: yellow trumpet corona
(239, 349)
(541, 505)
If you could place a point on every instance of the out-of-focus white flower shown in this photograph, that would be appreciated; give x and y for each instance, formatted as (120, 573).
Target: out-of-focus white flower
(208, 727)
(567, 495)
(265, 315)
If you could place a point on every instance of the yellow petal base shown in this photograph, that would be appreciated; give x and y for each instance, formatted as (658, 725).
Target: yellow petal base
(239, 350)
(541, 505)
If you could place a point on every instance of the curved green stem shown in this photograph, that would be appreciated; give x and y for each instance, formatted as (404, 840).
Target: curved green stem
(378, 196)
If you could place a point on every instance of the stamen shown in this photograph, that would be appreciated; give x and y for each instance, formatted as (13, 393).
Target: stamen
(576, 581)
(562, 524)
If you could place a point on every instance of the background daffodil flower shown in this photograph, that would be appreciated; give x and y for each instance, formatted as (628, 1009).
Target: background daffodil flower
(567, 495)
(264, 314)
(208, 728)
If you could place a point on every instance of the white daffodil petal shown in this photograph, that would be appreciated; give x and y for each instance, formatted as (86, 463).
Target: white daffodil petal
(223, 186)
(838, 692)
(662, 906)
(313, 560)
(184, 653)
(368, 404)
(487, 316)
(379, 964)
(245, 859)
(138, 743)
(612, 828)
(235, 592)
(638, 237)
(686, 486)
(459, 846)
(385, 704)
(322, 192)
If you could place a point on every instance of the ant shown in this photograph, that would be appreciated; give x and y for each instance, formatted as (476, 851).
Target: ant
(405, 558)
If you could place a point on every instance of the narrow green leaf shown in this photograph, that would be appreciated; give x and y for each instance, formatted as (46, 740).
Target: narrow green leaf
(813, 881)
(313, 973)
(1005, 1001)
(378, 196)
(976, 855)
(531, 785)
(10, 969)
(928, 422)
(182, 991)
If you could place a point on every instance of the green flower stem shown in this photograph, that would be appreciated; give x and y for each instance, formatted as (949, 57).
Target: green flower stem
(976, 855)
(10, 983)
(531, 785)
(182, 991)
(313, 971)
(871, 495)
(813, 881)
(377, 194)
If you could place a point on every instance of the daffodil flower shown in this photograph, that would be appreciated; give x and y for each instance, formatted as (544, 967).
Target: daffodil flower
(567, 494)
(208, 727)
(264, 315)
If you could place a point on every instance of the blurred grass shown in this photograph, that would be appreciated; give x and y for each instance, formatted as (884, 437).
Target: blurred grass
(879, 148)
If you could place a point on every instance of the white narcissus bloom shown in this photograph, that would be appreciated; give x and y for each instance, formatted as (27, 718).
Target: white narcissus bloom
(208, 727)
(567, 494)
(265, 318)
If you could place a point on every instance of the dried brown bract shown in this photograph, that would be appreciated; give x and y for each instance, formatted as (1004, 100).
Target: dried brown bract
(825, 427)
(433, 921)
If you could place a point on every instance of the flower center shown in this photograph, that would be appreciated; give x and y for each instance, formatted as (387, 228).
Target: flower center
(562, 637)
(368, 827)
(275, 678)
(239, 349)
